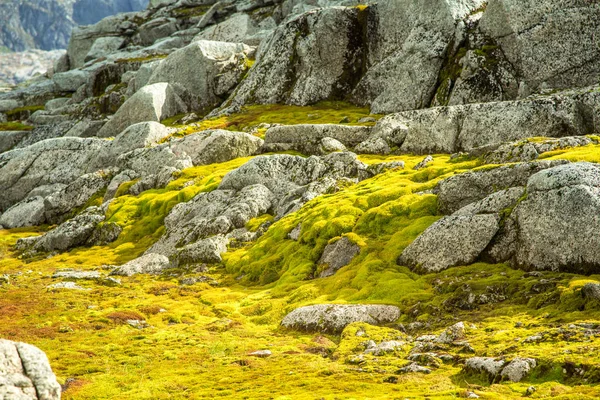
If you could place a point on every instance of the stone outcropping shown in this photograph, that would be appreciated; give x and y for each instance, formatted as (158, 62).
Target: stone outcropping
(518, 225)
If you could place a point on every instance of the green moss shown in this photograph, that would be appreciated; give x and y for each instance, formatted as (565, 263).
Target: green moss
(252, 116)
(200, 336)
(14, 126)
(22, 113)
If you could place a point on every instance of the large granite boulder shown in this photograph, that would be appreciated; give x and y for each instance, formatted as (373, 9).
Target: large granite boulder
(25, 373)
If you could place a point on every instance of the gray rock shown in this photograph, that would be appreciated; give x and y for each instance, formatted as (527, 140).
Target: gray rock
(9, 139)
(238, 28)
(153, 161)
(373, 145)
(403, 37)
(207, 70)
(156, 28)
(113, 186)
(72, 233)
(151, 103)
(307, 139)
(449, 242)
(26, 373)
(563, 199)
(217, 146)
(135, 136)
(453, 334)
(70, 81)
(413, 368)
(464, 189)
(29, 212)
(211, 213)
(591, 291)
(104, 46)
(529, 150)
(261, 353)
(204, 251)
(330, 145)
(488, 367)
(548, 42)
(309, 58)
(473, 126)
(60, 160)
(75, 195)
(423, 163)
(385, 347)
(334, 318)
(337, 255)
(494, 203)
(518, 369)
(9, 104)
(149, 263)
(75, 275)
(66, 285)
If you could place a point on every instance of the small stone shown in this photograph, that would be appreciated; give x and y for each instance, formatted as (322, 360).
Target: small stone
(530, 390)
(66, 285)
(137, 323)
(413, 367)
(424, 163)
(471, 395)
(261, 353)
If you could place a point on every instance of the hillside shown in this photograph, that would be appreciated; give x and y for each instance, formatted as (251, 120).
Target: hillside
(307, 199)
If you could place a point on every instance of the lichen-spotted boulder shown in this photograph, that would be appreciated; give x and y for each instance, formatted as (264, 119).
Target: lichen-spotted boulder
(25, 373)
(333, 318)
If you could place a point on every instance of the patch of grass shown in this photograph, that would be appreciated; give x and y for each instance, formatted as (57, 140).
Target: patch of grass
(14, 126)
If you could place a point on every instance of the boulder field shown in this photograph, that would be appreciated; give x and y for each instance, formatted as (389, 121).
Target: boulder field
(325, 198)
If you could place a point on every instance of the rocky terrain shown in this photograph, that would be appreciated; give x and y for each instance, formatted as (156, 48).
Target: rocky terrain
(306, 199)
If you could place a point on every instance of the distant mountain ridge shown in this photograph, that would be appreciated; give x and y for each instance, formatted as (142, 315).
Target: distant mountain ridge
(47, 24)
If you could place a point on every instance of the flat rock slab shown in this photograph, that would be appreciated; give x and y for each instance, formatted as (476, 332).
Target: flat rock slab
(333, 318)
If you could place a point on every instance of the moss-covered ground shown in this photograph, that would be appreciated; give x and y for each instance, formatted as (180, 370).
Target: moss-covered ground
(199, 337)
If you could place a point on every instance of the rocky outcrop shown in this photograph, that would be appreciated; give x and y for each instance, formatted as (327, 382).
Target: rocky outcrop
(522, 230)
(53, 161)
(333, 318)
(479, 126)
(277, 184)
(461, 190)
(26, 373)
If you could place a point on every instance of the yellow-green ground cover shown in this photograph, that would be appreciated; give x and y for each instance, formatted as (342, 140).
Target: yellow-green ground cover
(199, 337)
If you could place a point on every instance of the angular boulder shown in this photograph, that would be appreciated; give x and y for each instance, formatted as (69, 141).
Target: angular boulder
(151, 103)
(217, 146)
(449, 242)
(337, 255)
